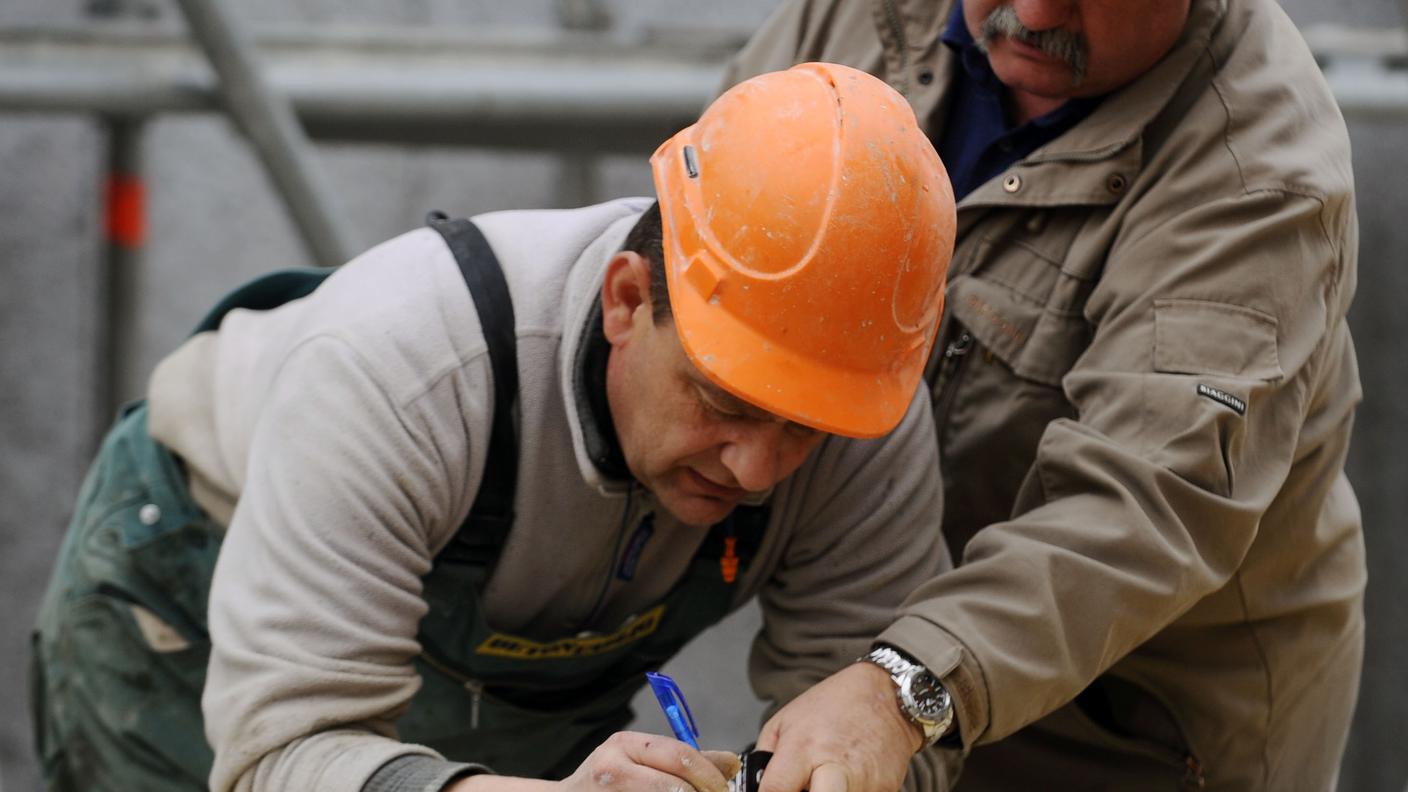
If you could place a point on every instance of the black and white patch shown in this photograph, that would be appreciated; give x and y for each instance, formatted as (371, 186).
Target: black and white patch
(1224, 398)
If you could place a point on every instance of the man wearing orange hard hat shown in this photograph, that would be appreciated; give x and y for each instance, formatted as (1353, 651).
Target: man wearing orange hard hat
(424, 523)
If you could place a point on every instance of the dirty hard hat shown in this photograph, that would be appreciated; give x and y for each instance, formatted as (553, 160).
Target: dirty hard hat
(808, 225)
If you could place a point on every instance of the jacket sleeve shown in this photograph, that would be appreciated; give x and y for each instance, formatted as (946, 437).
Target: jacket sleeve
(1210, 329)
(316, 595)
(863, 517)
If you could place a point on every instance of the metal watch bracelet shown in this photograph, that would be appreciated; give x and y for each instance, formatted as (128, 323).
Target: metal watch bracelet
(919, 694)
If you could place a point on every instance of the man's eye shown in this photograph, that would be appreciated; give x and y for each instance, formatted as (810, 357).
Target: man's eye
(720, 411)
(801, 432)
(714, 407)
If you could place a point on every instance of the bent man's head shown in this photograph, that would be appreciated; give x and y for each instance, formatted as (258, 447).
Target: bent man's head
(806, 225)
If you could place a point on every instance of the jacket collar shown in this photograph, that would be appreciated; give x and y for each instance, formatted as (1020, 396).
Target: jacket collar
(598, 428)
(1106, 148)
(1129, 110)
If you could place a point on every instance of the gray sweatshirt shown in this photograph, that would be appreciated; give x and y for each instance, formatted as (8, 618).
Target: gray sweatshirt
(342, 437)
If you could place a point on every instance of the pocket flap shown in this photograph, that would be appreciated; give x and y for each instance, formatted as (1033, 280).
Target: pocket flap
(1205, 337)
(1036, 342)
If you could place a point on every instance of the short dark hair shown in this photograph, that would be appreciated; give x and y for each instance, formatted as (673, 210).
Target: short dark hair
(647, 238)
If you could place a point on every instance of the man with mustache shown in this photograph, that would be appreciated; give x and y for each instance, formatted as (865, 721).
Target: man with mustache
(1143, 395)
(448, 504)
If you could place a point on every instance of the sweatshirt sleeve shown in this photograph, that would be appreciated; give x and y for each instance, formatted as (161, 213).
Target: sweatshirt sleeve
(1210, 333)
(864, 535)
(316, 596)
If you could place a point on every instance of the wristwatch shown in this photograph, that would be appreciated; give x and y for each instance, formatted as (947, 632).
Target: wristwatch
(921, 697)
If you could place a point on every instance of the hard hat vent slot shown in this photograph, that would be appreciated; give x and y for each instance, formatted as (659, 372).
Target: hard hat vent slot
(691, 162)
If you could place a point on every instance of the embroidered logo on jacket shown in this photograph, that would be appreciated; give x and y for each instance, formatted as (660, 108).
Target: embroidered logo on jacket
(505, 645)
(1004, 325)
(1224, 398)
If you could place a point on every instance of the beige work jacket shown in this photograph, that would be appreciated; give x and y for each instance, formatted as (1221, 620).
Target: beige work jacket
(1144, 387)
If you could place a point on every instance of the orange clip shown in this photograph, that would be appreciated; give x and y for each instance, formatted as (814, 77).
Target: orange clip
(728, 564)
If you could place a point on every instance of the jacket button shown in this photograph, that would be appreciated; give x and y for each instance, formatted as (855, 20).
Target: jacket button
(1012, 183)
(926, 77)
(149, 514)
(1116, 183)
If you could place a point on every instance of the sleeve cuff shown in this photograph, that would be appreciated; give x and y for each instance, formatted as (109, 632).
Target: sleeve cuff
(945, 656)
(418, 773)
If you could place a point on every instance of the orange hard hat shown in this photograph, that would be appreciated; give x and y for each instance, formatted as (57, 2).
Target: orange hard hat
(808, 225)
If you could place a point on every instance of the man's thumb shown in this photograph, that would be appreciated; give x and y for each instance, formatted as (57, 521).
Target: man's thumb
(726, 761)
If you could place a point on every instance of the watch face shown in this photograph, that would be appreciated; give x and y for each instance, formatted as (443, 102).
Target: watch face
(929, 697)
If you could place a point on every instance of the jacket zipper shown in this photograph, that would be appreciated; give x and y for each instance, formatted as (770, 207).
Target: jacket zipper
(892, 16)
(611, 567)
(1193, 773)
(949, 370)
(475, 687)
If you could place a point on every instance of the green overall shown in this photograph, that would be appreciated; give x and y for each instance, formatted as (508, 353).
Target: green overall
(121, 646)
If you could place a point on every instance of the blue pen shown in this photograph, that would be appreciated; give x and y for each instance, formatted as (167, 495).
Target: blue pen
(676, 710)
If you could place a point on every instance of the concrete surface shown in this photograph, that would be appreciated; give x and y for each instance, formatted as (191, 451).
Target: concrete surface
(215, 223)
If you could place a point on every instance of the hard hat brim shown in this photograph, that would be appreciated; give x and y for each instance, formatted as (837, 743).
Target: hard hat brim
(737, 358)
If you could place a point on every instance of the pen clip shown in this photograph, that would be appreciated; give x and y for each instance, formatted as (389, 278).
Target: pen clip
(669, 695)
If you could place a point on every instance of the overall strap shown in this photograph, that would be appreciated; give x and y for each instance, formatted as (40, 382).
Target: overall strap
(490, 518)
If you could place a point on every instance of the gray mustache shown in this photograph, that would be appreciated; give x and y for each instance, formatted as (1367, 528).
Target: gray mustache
(1061, 44)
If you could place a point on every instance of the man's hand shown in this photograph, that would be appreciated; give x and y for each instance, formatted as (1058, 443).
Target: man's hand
(846, 734)
(627, 762)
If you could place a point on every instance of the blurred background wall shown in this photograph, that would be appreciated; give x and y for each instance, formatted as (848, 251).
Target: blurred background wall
(215, 220)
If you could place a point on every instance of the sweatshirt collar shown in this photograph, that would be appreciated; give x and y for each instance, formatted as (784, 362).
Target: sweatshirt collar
(583, 354)
(603, 446)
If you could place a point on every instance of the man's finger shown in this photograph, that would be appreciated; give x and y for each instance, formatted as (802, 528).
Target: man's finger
(830, 777)
(767, 738)
(726, 761)
(648, 779)
(788, 771)
(675, 758)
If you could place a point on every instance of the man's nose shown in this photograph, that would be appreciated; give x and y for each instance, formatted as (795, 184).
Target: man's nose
(754, 456)
(1041, 15)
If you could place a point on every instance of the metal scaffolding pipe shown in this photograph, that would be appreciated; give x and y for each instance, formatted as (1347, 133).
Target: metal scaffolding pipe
(610, 94)
(1368, 92)
(268, 120)
(125, 213)
(538, 93)
(525, 92)
(1365, 68)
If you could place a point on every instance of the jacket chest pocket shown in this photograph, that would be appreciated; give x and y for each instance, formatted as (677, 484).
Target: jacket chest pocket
(1022, 293)
(1014, 328)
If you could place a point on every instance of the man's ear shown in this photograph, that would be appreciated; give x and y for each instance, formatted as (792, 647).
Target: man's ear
(625, 294)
